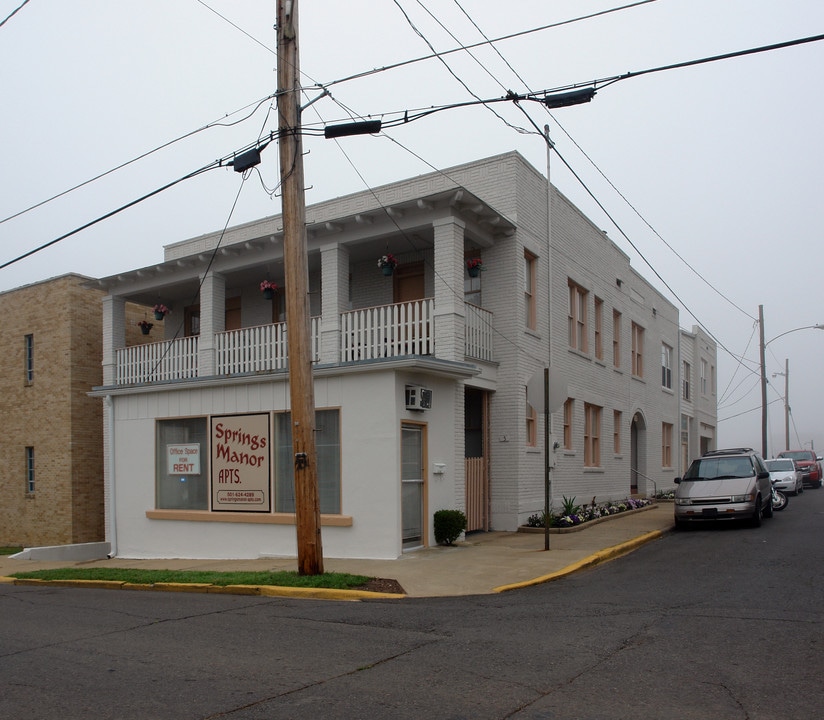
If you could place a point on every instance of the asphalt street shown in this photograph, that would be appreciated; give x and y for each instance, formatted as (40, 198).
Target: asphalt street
(719, 622)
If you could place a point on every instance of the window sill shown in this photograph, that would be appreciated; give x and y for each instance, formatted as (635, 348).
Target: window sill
(244, 517)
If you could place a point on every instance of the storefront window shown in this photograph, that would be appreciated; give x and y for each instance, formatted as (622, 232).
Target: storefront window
(327, 446)
(182, 464)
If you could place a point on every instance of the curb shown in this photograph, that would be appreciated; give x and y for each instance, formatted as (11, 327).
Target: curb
(594, 559)
(261, 590)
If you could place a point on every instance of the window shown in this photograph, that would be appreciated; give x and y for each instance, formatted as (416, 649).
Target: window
(530, 321)
(703, 377)
(178, 491)
(687, 375)
(599, 328)
(29, 359)
(616, 431)
(577, 317)
(616, 338)
(666, 366)
(569, 406)
(666, 445)
(29, 470)
(327, 447)
(531, 424)
(637, 350)
(592, 435)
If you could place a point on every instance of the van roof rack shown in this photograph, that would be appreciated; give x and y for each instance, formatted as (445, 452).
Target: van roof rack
(729, 451)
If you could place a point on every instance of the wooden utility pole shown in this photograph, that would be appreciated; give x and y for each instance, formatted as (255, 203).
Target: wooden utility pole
(296, 266)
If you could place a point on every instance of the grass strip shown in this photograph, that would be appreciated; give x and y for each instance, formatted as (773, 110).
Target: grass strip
(10, 550)
(282, 578)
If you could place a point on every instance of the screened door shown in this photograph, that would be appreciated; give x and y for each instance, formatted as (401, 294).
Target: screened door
(412, 485)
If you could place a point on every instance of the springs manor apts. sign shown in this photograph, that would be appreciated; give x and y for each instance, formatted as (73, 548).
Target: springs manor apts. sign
(240, 462)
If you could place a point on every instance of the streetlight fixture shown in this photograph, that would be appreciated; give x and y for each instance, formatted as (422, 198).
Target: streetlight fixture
(786, 375)
(763, 346)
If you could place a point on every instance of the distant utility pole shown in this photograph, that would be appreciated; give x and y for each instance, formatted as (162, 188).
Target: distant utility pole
(761, 348)
(296, 267)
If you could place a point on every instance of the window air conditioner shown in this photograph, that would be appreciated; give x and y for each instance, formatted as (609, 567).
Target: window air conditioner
(418, 398)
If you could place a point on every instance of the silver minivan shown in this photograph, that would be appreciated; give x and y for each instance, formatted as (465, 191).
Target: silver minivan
(730, 484)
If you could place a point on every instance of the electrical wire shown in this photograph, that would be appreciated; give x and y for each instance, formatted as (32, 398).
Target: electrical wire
(215, 123)
(13, 13)
(222, 162)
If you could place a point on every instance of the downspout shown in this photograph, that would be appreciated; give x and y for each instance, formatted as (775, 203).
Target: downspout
(110, 465)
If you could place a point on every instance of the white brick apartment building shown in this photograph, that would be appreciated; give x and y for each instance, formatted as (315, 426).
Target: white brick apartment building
(213, 389)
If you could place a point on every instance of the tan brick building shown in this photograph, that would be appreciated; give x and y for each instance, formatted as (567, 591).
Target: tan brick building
(51, 451)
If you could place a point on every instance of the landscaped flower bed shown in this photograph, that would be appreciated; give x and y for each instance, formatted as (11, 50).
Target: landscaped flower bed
(572, 515)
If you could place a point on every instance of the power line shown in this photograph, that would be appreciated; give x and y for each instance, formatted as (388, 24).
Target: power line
(13, 13)
(222, 162)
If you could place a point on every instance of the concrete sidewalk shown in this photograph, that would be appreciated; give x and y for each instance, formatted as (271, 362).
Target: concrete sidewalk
(483, 563)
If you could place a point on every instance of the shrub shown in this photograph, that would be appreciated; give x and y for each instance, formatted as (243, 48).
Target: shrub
(449, 524)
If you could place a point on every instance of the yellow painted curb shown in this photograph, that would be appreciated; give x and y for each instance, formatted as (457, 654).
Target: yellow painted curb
(261, 590)
(594, 559)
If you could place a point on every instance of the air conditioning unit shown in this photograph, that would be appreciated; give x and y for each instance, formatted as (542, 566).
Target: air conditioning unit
(418, 398)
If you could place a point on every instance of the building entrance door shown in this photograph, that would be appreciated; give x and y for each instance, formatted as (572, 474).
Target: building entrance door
(413, 484)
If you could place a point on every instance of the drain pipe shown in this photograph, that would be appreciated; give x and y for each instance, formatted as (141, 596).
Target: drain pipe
(110, 464)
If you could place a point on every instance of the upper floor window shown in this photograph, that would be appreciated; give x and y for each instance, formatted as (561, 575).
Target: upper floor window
(687, 372)
(592, 435)
(599, 328)
(666, 366)
(530, 315)
(616, 338)
(29, 369)
(703, 377)
(577, 317)
(637, 350)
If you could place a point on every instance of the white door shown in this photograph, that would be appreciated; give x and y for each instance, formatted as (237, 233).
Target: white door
(412, 485)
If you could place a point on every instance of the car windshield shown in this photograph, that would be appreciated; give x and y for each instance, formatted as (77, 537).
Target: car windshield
(801, 455)
(774, 465)
(719, 468)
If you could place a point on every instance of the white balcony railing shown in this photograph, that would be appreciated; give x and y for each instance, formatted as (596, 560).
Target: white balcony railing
(155, 362)
(258, 349)
(478, 333)
(378, 332)
(388, 331)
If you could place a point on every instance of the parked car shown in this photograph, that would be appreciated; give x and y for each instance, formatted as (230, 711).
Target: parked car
(785, 475)
(809, 464)
(731, 484)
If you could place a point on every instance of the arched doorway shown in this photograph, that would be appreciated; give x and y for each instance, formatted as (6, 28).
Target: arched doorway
(638, 451)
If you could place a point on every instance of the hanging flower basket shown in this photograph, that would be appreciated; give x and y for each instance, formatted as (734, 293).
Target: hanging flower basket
(268, 289)
(387, 263)
(474, 266)
(145, 326)
(160, 311)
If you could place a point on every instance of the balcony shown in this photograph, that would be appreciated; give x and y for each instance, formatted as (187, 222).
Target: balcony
(385, 331)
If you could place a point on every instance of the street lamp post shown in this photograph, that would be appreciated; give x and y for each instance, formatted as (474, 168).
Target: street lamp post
(762, 348)
(786, 375)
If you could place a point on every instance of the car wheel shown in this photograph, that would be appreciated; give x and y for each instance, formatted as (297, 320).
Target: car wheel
(758, 514)
(768, 509)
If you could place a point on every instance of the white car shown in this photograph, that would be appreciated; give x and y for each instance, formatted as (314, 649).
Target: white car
(785, 475)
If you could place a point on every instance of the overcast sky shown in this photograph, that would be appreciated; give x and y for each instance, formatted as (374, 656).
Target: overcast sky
(718, 163)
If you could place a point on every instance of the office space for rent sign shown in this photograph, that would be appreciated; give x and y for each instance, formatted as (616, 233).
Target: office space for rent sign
(241, 463)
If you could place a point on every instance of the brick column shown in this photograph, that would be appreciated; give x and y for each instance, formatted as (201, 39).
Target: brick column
(212, 320)
(334, 299)
(449, 276)
(114, 335)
